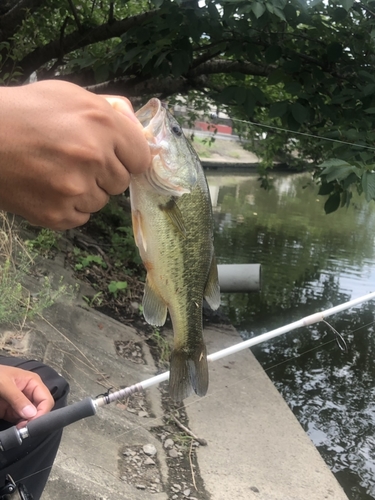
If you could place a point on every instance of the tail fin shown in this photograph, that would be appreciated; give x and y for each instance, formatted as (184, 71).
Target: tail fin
(188, 370)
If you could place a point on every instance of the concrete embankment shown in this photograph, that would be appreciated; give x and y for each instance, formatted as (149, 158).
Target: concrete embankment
(256, 448)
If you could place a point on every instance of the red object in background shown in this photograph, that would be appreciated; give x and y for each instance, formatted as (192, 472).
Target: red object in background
(211, 127)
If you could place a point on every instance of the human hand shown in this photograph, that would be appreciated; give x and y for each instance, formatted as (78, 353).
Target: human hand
(23, 396)
(63, 151)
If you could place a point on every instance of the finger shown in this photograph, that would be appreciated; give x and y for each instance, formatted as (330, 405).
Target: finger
(131, 146)
(19, 403)
(40, 396)
(96, 198)
(59, 221)
(115, 179)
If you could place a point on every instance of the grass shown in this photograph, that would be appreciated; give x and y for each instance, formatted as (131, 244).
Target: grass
(161, 345)
(17, 303)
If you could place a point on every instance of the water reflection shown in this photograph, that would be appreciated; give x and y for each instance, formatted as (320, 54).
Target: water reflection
(310, 262)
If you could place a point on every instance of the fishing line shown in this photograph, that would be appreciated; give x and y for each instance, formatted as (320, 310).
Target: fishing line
(294, 132)
(214, 394)
(314, 136)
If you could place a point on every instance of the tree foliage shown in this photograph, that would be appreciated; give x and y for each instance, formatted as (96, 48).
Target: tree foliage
(304, 67)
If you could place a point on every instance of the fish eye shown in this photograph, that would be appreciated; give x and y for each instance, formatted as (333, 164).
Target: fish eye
(177, 130)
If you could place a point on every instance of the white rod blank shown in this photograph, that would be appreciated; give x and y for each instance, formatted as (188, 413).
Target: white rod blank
(307, 321)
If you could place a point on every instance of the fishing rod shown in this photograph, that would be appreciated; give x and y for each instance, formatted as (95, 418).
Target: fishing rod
(57, 419)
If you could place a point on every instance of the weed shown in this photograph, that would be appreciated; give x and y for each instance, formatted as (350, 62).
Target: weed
(46, 241)
(114, 222)
(17, 304)
(95, 301)
(117, 286)
(162, 346)
(87, 260)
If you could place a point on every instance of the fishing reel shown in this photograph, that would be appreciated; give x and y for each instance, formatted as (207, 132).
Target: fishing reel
(12, 491)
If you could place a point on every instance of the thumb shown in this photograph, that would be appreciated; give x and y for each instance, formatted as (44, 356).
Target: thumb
(19, 403)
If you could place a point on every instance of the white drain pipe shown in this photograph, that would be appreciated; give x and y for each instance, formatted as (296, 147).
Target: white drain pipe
(239, 278)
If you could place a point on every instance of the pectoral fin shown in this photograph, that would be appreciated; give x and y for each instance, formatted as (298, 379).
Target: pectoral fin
(139, 235)
(154, 307)
(175, 216)
(212, 290)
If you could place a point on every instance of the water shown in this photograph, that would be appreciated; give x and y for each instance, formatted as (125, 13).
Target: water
(310, 262)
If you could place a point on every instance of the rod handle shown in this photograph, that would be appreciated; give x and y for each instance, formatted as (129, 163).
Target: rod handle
(50, 422)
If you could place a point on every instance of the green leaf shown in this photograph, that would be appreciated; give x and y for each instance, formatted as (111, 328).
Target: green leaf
(258, 9)
(353, 134)
(278, 109)
(370, 111)
(347, 4)
(334, 51)
(249, 103)
(228, 94)
(290, 13)
(336, 169)
(258, 95)
(157, 3)
(273, 53)
(366, 75)
(160, 59)
(293, 88)
(131, 54)
(180, 63)
(241, 95)
(368, 185)
(292, 66)
(277, 76)
(339, 14)
(333, 203)
(369, 89)
(101, 73)
(299, 112)
(326, 188)
(116, 286)
(279, 13)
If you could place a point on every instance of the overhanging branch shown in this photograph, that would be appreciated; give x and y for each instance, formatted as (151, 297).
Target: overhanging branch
(216, 66)
(13, 13)
(53, 50)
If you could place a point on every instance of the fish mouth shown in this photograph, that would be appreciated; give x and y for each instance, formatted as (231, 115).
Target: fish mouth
(162, 176)
(152, 116)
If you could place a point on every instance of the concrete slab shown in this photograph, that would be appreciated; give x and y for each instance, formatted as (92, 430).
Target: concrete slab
(256, 448)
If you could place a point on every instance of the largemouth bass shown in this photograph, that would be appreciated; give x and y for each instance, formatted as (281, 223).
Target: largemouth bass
(173, 229)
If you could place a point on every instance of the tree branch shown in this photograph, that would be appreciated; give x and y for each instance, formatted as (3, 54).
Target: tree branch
(195, 79)
(133, 88)
(227, 66)
(52, 50)
(12, 14)
(75, 15)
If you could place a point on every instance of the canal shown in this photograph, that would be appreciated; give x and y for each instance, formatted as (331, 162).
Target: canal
(310, 262)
